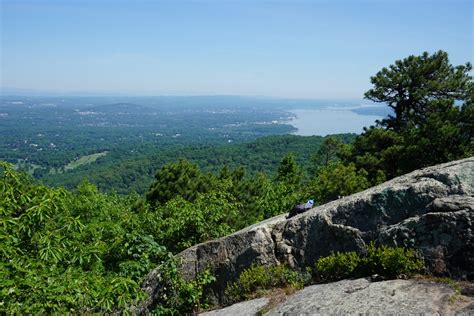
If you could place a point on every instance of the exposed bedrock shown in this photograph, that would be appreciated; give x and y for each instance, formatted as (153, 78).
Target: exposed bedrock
(361, 297)
(430, 210)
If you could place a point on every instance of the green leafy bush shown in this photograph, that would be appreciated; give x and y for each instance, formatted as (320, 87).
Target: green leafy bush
(80, 252)
(339, 265)
(389, 262)
(254, 281)
(179, 296)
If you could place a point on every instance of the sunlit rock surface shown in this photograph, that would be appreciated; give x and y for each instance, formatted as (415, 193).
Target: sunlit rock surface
(430, 210)
(355, 297)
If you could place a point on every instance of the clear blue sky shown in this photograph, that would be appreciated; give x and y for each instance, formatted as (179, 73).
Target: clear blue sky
(307, 49)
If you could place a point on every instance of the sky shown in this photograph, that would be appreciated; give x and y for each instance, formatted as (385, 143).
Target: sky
(296, 49)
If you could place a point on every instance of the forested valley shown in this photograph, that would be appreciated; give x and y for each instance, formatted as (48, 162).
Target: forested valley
(119, 146)
(86, 248)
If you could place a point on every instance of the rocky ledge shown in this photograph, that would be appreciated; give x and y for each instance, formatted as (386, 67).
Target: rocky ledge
(430, 210)
(394, 297)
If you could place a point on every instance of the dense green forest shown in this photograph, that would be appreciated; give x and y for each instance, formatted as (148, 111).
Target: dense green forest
(123, 174)
(85, 251)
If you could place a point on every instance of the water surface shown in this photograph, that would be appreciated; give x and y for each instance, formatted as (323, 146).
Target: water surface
(330, 121)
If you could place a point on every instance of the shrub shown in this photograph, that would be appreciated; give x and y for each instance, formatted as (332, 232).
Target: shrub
(337, 266)
(389, 262)
(178, 296)
(257, 279)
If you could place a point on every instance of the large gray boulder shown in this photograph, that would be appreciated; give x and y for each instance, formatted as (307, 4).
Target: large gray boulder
(430, 210)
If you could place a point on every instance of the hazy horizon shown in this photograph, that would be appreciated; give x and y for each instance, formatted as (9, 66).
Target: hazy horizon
(25, 93)
(282, 49)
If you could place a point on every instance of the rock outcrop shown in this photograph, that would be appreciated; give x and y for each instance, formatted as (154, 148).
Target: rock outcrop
(251, 307)
(430, 210)
(362, 297)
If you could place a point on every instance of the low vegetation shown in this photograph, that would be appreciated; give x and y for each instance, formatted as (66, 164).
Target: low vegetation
(387, 262)
(258, 279)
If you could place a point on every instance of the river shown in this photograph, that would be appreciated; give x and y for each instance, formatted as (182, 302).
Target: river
(330, 121)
